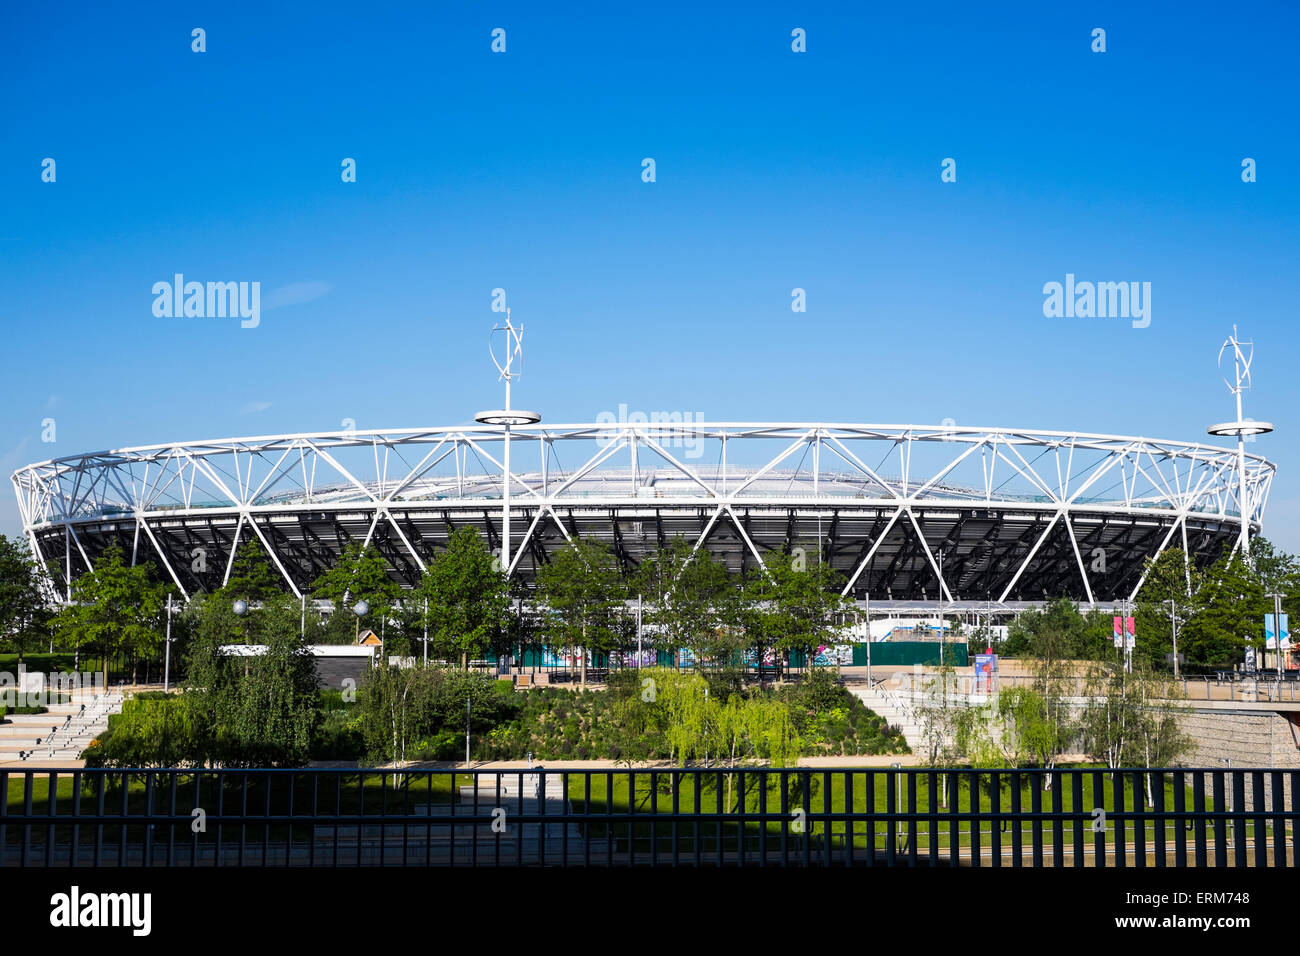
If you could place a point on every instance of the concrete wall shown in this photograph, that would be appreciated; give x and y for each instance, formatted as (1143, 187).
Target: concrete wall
(333, 670)
(1253, 739)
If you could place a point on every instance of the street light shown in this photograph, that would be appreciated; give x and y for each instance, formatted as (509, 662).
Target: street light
(167, 659)
(1173, 620)
(359, 609)
(240, 607)
(943, 633)
(505, 417)
(1241, 429)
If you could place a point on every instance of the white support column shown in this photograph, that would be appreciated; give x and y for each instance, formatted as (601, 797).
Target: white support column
(1083, 572)
(162, 556)
(276, 558)
(853, 578)
(1030, 556)
(234, 546)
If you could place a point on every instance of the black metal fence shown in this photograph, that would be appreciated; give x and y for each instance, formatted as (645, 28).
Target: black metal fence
(742, 816)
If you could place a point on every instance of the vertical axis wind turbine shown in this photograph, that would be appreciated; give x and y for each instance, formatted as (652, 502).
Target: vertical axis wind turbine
(506, 417)
(1243, 353)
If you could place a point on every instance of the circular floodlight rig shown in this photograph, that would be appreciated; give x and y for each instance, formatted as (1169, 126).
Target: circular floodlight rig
(507, 417)
(1243, 353)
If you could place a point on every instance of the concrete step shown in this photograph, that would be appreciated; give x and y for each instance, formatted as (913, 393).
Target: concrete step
(59, 753)
(55, 714)
(27, 728)
(80, 741)
(892, 715)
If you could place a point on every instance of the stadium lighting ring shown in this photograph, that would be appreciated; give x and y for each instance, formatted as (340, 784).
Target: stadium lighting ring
(501, 416)
(1019, 515)
(1234, 429)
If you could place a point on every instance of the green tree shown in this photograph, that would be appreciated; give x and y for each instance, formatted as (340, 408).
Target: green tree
(396, 706)
(272, 711)
(252, 576)
(24, 611)
(468, 599)
(691, 599)
(939, 713)
(1231, 605)
(1060, 631)
(792, 607)
(359, 574)
(210, 680)
(1133, 719)
(1168, 578)
(255, 711)
(115, 608)
(1109, 720)
(583, 591)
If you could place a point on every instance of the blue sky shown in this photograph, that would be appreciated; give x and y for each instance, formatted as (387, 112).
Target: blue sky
(522, 171)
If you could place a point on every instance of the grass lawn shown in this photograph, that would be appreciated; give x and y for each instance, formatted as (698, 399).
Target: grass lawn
(47, 663)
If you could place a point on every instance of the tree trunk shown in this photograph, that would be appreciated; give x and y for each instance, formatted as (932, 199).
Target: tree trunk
(582, 661)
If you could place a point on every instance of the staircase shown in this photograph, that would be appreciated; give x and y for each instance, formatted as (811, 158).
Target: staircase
(894, 710)
(59, 735)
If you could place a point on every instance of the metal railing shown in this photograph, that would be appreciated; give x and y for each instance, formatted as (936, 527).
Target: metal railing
(740, 816)
(1263, 688)
(76, 725)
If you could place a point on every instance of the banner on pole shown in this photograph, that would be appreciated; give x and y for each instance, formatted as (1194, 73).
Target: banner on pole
(1270, 631)
(1125, 633)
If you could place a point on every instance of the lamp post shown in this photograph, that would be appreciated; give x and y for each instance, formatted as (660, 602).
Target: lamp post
(1173, 620)
(1241, 429)
(240, 607)
(943, 634)
(359, 609)
(167, 655)
(505, 417)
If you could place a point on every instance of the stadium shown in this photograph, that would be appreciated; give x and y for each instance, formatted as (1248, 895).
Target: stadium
(912, 516)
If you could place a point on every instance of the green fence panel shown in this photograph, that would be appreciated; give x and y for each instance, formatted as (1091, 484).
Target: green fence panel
(910, 652)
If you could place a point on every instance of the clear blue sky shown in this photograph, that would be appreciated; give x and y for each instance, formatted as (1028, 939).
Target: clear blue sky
(775, 170)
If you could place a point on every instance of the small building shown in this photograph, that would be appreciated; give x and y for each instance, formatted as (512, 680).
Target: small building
(335, 663)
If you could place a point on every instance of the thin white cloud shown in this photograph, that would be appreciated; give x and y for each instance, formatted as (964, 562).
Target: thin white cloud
(252, 408)
(295, 293)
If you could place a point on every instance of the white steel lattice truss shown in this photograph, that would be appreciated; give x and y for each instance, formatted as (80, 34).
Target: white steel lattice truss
(1009, 514)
